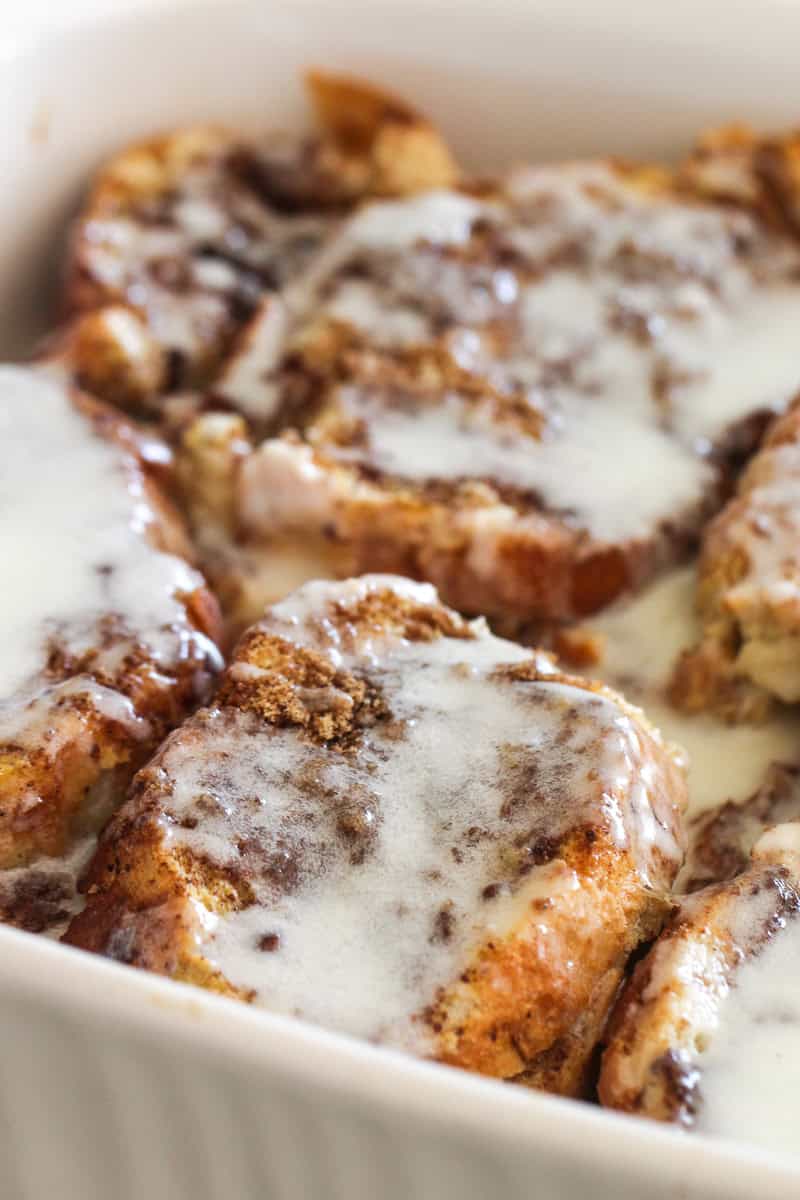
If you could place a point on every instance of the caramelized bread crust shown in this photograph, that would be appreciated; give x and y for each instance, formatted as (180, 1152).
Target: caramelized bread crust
(336, 709)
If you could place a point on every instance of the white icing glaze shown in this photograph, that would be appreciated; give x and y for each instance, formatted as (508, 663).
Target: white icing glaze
(313, 602)
(750, 1073)
(122, 253)
(73, 518)
(642, 639)
(469, 767)
(744, 1022)
(642, 328)
(27, 715)
(214, 274)
(725, 339)
(754, 363)
(569, 471)
(280, 486)
(396, 227)
(691, 975)
(354, 304)
(440, 217)
(199, 218)
(193, 250)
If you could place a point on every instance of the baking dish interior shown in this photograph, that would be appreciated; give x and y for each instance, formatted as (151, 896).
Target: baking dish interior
(506, 82)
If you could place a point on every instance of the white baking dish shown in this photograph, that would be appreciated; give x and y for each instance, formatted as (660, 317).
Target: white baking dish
(114, 1084)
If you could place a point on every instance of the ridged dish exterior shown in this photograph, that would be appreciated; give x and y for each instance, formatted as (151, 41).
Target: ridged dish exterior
(115, 1085)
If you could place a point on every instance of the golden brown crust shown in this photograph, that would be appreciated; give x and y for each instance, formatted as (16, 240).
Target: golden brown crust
(386, 148)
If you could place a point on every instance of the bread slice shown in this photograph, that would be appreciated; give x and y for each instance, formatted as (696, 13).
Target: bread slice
(672, 1026)
(749, 590)
(109, 633)
(397, 825)
(532, 394)
(187, 231)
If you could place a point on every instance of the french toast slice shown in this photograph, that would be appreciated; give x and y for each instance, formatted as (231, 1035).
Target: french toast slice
(748, 590)
(686, 1035)
(182, 235)
(109, 633)
(395, 824)
(532, 394)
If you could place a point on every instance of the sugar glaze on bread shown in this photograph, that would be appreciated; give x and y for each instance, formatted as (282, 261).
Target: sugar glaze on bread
(397, 825)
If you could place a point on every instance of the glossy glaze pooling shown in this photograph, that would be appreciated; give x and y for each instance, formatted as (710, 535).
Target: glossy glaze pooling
(641, 640)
